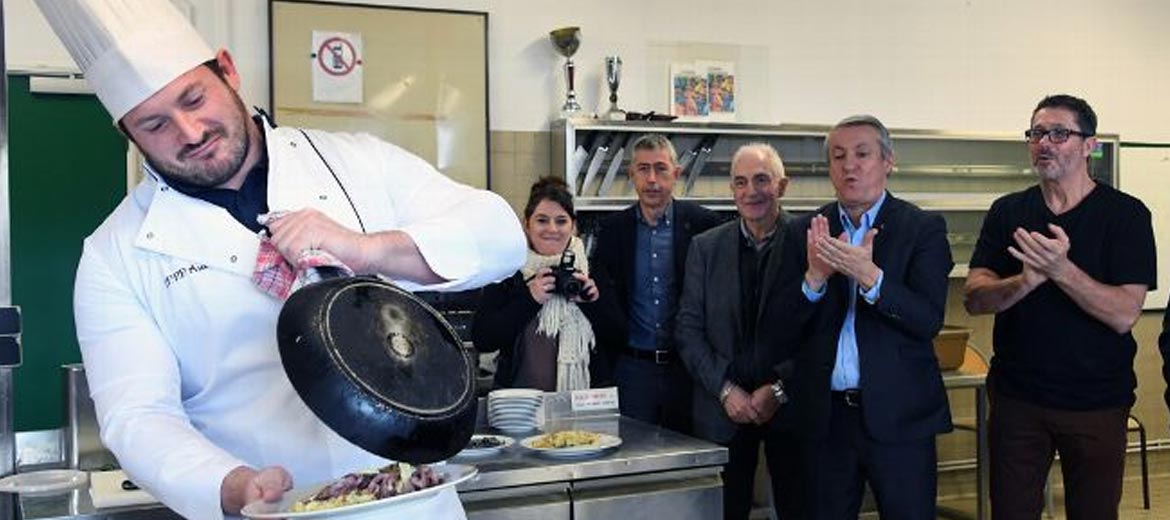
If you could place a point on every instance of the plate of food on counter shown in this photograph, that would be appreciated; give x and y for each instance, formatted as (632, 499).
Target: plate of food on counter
(363, 494)
(484, 445)
(571, 443)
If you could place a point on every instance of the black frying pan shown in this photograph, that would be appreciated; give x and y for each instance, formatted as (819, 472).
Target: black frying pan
(380, 367)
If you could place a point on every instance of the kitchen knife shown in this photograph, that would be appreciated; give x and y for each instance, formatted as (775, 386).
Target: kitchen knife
(700, 162)
(595, 162)
(614, 165)
(685, 159)
(580, 154)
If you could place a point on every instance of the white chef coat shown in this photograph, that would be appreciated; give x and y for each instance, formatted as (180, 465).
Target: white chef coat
(180, 347)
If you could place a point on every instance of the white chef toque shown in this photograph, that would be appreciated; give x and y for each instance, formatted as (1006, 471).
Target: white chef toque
(127, 49)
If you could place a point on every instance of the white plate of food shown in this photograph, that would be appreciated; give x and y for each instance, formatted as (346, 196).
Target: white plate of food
(345, 496)
(571, 443)
(484, 445)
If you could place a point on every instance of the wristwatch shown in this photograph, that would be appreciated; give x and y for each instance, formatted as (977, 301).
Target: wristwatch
(728, 386)
(778, 392)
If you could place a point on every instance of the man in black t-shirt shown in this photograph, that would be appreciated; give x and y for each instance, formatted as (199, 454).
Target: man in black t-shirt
(1065, 266)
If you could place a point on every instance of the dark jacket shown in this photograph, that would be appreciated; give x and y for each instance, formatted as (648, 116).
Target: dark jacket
(505, 310)
(708, 328)
(612, 265)
(901, 387)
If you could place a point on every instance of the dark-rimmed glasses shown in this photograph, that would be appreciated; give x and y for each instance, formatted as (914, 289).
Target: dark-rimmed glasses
(1055, 135)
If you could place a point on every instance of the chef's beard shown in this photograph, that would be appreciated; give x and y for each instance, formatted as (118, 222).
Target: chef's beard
(210, 173)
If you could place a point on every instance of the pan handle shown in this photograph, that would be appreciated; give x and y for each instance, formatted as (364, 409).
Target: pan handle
(323, 272)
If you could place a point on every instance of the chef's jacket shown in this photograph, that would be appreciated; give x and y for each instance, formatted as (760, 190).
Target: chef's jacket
(180, 347)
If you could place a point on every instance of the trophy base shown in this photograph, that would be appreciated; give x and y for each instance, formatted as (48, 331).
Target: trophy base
(615, 114)
(571, 106)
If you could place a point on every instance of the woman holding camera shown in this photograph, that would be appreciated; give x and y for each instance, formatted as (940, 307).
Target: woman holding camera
(538, 317)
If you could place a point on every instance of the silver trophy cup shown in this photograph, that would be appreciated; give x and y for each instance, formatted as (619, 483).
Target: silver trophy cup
(613, 78)
(566, 40)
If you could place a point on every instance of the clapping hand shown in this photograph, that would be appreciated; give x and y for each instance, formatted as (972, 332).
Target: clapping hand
(1043, 257)
(828, 255)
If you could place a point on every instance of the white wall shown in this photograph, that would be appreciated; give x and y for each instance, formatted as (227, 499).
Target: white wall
(954, 64)
(972, 65)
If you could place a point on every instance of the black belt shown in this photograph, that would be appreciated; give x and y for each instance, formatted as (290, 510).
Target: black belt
(660, 357)
(850, 398)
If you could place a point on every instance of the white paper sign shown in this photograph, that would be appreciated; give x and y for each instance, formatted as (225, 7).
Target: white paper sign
(595, 399)
(336, 60)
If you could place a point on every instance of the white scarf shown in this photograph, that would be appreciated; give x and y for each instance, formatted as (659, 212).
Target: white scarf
(561, 319)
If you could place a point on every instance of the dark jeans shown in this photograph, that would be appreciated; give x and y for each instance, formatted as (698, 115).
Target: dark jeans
(783, 453)
(902, 475)
(653, 393)
(1023, 439)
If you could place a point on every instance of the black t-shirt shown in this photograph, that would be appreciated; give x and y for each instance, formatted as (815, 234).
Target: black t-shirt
(1048, 351)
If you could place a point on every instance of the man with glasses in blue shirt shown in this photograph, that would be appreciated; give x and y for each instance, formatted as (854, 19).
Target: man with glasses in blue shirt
(1065, 266)
(867, 396)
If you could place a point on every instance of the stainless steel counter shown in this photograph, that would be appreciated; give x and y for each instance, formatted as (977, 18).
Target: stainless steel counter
(645, 448)
(651, 464)
(655, 473)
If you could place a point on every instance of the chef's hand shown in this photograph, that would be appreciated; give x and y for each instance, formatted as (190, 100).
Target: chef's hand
(390, 253)
(738, 406)
(764, 401)
(541, 285)
(245, 485)
(297, 231)
(589, 292)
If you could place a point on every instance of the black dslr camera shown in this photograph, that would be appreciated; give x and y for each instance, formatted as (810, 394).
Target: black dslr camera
(565, 283)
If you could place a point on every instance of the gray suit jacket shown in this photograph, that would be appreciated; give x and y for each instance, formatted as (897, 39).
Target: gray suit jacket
(708, 325)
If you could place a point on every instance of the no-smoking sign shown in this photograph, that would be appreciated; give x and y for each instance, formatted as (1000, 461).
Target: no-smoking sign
(336, 62)
(337, 56)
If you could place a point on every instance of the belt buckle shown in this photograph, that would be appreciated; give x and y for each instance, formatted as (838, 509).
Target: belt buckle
(661, 357)
(852, 398)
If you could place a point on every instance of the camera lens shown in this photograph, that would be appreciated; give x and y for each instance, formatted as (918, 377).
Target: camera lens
(573, 286)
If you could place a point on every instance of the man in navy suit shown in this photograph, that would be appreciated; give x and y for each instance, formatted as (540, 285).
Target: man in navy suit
(867, 396)
(638, 266)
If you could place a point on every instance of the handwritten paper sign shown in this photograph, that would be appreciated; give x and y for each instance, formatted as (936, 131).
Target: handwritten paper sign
(595, 399)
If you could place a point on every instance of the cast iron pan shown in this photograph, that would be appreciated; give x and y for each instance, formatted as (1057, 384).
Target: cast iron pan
(380, 367)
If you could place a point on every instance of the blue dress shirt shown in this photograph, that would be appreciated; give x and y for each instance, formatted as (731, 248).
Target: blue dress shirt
(652, 291)
(846, 371)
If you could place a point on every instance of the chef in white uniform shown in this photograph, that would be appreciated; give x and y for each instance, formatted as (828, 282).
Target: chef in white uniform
(178, 342)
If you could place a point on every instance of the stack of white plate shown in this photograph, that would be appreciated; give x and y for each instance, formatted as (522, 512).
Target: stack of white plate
(515, 409)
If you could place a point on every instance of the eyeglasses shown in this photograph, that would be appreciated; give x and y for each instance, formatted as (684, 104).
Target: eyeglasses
(1055, 135)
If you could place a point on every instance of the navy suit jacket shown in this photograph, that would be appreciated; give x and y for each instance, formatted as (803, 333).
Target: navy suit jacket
(612, 265)
(901, 387)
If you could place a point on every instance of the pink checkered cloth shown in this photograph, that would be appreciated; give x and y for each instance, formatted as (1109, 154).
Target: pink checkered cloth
(277, 277)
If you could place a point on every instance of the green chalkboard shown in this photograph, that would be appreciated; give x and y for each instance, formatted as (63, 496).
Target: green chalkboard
(67, 171)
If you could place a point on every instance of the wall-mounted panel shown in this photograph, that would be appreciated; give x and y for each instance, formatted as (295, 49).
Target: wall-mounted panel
(422, 73)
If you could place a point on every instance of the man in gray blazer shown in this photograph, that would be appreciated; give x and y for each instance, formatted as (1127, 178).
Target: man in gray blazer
(738, 375)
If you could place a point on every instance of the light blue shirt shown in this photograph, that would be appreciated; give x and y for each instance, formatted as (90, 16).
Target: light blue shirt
(846, 371)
